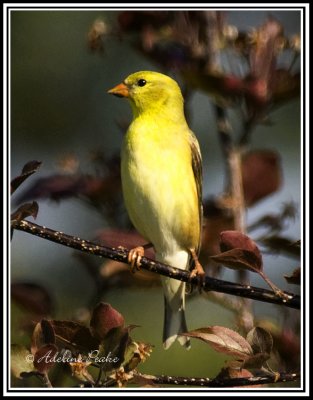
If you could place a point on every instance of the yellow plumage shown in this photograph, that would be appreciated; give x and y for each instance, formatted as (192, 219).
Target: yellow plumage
(161, 180)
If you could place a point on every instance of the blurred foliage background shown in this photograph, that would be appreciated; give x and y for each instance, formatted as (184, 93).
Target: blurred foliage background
(62, 116)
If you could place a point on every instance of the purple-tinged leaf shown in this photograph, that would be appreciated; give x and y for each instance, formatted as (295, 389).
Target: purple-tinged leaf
(223, 340)
(30, 168)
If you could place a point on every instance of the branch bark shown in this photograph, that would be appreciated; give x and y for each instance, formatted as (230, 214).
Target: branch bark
(232, 153)
(224, 382)
(121, 254)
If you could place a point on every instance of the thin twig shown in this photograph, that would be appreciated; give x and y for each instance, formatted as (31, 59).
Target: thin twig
(224, 131)
(232, 305)
(234, 186)
(46, 381)
(236, 189)
(221, 382)
(121, 254)
(232, 154)
(249, 124)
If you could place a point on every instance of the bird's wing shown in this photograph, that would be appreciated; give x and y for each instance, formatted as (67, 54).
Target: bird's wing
(197, 171)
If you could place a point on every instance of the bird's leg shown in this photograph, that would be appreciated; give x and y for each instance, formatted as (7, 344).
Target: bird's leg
(135, 255)
(198, 269)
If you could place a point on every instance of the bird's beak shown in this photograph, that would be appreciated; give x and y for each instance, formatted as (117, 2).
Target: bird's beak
(120, 90)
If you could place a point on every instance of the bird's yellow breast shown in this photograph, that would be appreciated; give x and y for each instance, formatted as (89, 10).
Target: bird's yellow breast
(159, 185)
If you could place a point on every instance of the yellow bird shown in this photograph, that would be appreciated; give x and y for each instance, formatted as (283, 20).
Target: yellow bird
(161, 173)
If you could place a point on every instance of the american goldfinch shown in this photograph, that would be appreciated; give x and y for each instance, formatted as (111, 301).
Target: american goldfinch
(161, 174)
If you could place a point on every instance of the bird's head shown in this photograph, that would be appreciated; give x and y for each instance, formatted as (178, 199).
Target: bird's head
(150, 91)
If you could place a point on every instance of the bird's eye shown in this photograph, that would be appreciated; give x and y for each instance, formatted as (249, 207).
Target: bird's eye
(141, 82)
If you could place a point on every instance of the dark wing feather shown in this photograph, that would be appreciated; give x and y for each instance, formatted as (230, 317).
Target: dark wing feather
(197, 171)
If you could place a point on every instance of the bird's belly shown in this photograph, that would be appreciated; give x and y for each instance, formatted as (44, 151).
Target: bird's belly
(161, 202)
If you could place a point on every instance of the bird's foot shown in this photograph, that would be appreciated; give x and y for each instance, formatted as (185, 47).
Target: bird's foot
(198, 270)
(134, 258)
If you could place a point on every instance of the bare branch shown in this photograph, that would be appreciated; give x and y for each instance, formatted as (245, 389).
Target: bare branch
(233, 157)
(224, 382)
(121, 254)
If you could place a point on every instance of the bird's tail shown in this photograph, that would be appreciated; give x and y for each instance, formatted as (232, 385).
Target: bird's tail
(174, 303)
(174, 324)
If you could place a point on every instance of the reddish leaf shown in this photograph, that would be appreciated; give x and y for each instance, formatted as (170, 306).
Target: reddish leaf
(59, 187)
(256, 361)
(216, 221)
(239, 251)
(104, 318)
(24, 211)
(114, 343)
(236, 240)
(128, 239)
(257, 93)
(263, 54)
(75, 335)
(117, 275)
(236, 372)
(230, 372)
(224, 87)
(134, 21)
(260, 340)
(44, 358)
(295, 277)
(104, 184)
(285, 86)
(288, 344)
(47, 331)
(223, 340)
(261, 175)
(32, 297)
(55, 187)
(30, 168)
(248, 258)
(43, 334)
(283, 244)
(261, 343)
(239, 259)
